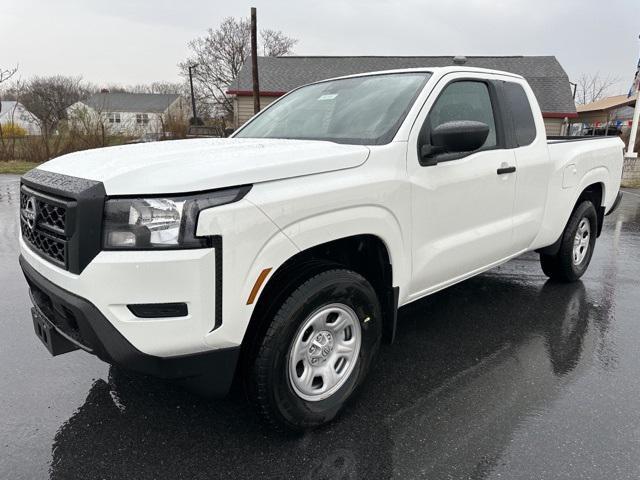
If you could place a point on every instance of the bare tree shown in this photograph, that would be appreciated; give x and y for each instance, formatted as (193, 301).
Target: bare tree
(112, 88)
(49, 97)
(158, 87)
(6, 151)
(276, 44)
(7, 73)
(591, 88)
(221, 54)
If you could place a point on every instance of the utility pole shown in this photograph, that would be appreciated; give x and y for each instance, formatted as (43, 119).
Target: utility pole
(194, 120)
(254, 61)
(631, 153)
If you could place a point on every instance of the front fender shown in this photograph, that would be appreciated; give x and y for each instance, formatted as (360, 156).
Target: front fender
(251, 243)
(357, 220)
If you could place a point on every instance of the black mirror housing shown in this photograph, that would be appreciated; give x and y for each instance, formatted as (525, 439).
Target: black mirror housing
(459, 136)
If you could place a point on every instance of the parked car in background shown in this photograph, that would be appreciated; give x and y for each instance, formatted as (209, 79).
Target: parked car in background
(280, 256)
(610, 131)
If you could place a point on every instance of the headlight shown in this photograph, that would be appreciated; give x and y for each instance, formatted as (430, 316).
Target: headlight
(161, 222)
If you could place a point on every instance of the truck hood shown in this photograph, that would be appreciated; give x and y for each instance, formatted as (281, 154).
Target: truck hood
(204, 164)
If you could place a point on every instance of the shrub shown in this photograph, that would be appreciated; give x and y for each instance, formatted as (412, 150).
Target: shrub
(12, 130)
(175, 126)
(40, 149)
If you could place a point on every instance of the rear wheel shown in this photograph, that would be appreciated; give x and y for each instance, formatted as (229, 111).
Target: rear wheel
(317, 350)
(576, 247)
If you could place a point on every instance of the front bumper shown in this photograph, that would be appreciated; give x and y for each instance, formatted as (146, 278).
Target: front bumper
(78, 320)
(115, 280)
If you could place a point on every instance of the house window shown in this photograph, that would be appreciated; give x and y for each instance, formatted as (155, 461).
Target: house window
(142, 118)
(113, 117)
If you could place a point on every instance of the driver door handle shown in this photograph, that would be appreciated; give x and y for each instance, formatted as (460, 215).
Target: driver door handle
(504, 170)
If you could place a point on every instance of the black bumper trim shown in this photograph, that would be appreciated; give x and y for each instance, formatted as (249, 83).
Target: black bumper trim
(159, 310)
(210, 373)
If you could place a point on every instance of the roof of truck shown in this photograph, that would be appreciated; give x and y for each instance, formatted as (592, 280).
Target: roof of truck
(279, 75)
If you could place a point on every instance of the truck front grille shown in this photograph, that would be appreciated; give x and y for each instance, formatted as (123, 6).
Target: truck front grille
(43, 223)
(61, 218)
(53, 217)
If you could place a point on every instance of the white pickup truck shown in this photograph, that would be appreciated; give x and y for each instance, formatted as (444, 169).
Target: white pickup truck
(279, 257)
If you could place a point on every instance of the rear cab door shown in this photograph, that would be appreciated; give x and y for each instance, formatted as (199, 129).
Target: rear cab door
(535, 168)
(462, 208)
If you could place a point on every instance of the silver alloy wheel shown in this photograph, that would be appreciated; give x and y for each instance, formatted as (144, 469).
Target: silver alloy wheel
(324, 351)
(581, 241)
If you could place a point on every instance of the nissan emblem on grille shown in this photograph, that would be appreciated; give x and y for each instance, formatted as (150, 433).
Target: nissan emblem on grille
(29, 212)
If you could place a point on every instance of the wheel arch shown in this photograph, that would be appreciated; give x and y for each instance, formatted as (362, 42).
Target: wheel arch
(594, 192)
(366, 254)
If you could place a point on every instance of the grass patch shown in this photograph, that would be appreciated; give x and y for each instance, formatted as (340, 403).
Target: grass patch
(17, 166)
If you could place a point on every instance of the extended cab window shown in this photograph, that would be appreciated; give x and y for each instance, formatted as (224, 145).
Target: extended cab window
(521, 115)
(365, 110)
(465, 100)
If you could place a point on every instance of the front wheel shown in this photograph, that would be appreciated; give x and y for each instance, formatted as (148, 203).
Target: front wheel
(317, 350)
(576, 247)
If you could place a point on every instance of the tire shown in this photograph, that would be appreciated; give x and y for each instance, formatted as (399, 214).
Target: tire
(569, 264)
(277, 383)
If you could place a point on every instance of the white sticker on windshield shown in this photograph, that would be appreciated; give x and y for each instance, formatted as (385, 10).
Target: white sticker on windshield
(328, 96)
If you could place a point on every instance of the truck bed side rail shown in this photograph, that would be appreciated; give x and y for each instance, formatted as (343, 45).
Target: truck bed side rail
(574, 138)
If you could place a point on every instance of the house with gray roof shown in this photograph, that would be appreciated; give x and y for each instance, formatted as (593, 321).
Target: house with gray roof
(132, 114)
(279, 75)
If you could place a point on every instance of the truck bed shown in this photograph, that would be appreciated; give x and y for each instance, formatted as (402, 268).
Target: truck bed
(574, 138)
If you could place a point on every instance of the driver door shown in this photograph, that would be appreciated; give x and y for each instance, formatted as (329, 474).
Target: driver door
(462, 206)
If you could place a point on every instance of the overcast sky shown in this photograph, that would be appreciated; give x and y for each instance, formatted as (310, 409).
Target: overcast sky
(139, 41)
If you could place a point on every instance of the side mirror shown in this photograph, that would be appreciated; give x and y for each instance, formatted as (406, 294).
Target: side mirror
(456, 137)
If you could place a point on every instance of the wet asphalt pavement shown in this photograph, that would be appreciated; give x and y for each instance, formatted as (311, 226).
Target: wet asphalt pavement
(503, 376)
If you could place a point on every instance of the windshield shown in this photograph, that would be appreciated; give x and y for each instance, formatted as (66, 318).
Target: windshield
(361, 110)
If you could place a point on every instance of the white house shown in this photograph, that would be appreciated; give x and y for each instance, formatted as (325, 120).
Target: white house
(14, 113)
(129, 113)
